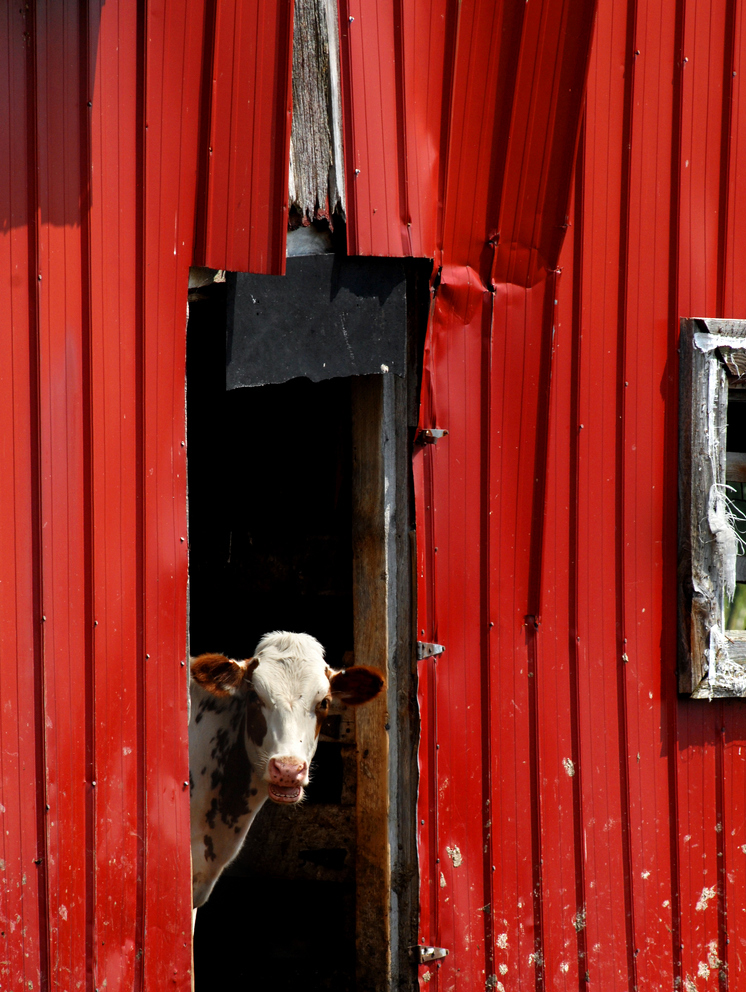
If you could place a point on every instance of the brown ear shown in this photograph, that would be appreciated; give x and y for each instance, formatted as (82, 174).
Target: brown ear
(219, 675)
(357, 685)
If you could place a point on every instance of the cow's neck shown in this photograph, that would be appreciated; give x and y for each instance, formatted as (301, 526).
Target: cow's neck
(226, 793)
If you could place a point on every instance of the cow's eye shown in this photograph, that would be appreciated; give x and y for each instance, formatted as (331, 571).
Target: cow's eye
(252, 696)
(324, 704)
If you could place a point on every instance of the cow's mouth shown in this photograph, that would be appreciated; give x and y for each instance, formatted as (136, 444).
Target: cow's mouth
(285, 794)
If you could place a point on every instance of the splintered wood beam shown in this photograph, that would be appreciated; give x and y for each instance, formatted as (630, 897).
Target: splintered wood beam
(316, 170)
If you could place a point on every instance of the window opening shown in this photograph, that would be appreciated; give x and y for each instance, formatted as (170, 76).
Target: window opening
(735, 477)
(712, 508)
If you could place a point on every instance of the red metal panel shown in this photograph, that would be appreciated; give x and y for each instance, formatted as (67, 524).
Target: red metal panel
(734, 296)
(647, 473)
(116, 556)
(602, 747)
(246, 200)
(63, 426)
(703, 56)
(102, 105)
(22, 939)
(173, 49)
(487, 380)
(632, 863)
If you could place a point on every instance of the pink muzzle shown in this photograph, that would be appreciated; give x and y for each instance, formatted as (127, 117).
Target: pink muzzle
(286, 776)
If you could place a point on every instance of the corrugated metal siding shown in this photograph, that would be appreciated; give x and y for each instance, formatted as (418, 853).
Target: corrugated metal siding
(107, 111)
(598, 817)
(249, 101)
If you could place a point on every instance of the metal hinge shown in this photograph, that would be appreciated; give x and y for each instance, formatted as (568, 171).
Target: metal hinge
(424, 954)
(430, 435)
(427, 650)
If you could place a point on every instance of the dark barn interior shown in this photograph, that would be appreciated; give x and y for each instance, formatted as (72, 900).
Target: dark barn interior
(274, 517)
(270, 547)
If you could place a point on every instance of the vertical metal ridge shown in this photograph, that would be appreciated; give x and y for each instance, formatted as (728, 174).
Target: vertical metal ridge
(205, 129)
(85, 156)
(405, 213)
(33, 206)
(729, 43)
(622, 702)
(722, 854)
(578, 757)
(140, 461)
(453, 27)
(673, 335)
(485, 633)
(534, 602)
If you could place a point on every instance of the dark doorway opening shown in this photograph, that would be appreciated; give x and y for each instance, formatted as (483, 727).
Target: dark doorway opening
(270, 548)
(301, 518)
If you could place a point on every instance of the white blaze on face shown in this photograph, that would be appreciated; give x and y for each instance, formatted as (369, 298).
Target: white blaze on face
(287, 702)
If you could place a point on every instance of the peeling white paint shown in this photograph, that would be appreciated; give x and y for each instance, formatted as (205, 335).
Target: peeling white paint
(709, 342)
(564, 967)
(569, 766)
(502, 940)
(455, 855)
(578, 921)
(702, 970)
(503, 969)
(707, 894)
(442, 880)
(645, 874)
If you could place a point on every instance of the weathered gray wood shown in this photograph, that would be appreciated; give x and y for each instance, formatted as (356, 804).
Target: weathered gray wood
(371, 457)
(316, 168)
(737, 645)
(709, 657)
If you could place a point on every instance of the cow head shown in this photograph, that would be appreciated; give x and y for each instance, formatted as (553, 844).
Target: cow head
(288, 689)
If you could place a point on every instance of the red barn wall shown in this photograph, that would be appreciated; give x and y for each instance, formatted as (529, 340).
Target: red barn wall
(106, 111)
(581, 825)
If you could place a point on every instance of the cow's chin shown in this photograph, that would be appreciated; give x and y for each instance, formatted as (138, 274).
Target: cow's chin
(286, 795)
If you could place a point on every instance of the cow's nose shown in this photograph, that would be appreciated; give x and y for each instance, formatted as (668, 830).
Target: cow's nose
(287, 771)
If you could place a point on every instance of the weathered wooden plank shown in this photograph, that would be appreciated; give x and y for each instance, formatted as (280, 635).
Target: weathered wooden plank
(316, 172)
(371, 464)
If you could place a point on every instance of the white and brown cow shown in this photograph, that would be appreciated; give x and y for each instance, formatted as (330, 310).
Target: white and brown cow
(253, 730)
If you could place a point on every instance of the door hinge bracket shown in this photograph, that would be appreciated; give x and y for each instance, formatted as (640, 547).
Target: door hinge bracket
(427, 650)
(430, 435)
(424, 954)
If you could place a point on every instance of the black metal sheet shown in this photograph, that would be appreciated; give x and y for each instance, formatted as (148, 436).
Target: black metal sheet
(329, 316)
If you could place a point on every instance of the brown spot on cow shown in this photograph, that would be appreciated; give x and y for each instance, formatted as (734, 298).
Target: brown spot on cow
(219, 675)
(233, 797)
(210, 854)
(322, 712)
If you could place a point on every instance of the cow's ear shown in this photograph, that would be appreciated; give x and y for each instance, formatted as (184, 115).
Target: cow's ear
(357, 685)
(220, 675)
